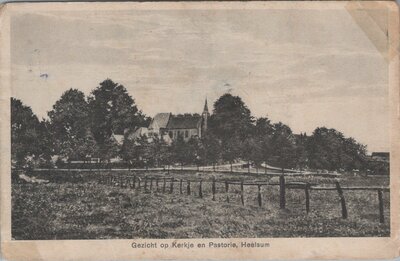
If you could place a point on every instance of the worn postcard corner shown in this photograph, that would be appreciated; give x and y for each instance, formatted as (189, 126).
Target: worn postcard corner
(199, 130)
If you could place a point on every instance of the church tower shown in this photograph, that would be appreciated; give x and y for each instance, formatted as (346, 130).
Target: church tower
(205, 115)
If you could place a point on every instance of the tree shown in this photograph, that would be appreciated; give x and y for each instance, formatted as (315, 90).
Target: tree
(70, 128)
(157, 149)
(211, 149)
(325, 149)
(26, 134)
(180, 151)
(108, 150)
(166, 156)
(45, 143)
(251, 152)
(301, 152)
(113, 110)
(230, 150)
(283, 144)
(263, 132)
(86, 146)
(232, 123)
(329, 149)
(143, 150)
(195, 152)
(231, 118)
(128, 150)
(355, 154)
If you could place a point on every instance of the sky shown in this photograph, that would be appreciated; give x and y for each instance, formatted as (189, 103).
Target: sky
(306, 68)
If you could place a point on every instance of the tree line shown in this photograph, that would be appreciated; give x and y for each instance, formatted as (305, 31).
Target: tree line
(79, 127)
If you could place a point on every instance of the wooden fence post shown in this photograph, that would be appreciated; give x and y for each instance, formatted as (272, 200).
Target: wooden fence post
(241, 192)
(171, 186)
(180, 186)
(381, 213)
(134, 181)
(200, 189)
(307, 192)
(139, 183)
(125, 183)
(130, 182)
(157, 184)
(151, 183)
(213, 189)
(282, 188)
(145, 183)
(188, 187)
(342, 200)
(259, 196)
(164, 184)
(227, 190)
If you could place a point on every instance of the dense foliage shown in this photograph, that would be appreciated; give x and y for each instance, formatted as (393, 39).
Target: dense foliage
(82, 127)
(29, 137)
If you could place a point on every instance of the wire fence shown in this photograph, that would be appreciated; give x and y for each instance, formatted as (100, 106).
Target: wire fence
(164, 184)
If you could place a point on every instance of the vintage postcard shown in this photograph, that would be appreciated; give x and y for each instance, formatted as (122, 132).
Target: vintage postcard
(199, 130)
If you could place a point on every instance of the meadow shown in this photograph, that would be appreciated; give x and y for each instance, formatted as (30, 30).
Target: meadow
(78, 205)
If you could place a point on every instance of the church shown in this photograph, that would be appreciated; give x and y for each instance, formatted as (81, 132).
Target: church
(170, 126)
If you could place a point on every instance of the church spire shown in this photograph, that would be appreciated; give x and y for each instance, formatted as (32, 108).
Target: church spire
(205, 116)
(205, 107)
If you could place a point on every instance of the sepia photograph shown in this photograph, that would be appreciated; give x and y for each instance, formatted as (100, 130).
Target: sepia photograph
(200, 121)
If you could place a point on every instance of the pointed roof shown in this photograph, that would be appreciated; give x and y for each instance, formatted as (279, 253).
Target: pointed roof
(140, 132)
(184, 122)
(118, 138)
(205, 107)
(161, 119)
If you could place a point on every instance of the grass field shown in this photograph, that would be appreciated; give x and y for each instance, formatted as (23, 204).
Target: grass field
(76, 206)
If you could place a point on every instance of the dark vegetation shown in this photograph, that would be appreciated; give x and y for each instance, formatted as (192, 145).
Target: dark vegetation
(80, 128)
(74, 205)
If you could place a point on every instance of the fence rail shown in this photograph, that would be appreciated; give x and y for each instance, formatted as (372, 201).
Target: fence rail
(146, 182)
(271, 173)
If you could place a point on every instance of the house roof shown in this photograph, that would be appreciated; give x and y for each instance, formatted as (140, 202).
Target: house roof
(119, 138)
(138, 133)
(380, 154)
(141, 131)
(161, 119)
(184, 122)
